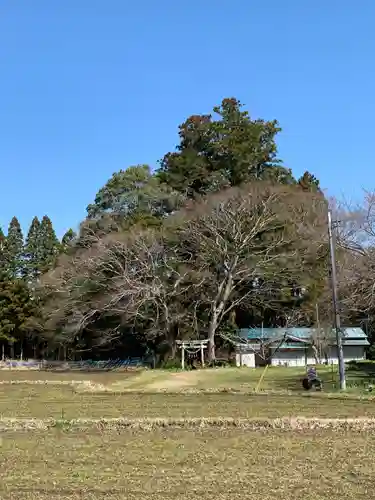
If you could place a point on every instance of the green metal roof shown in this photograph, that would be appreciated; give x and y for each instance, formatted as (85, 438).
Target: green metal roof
(301, 333)
(354, 333)
(351, 336)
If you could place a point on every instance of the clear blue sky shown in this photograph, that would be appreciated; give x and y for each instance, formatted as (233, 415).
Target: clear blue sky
(88, 87)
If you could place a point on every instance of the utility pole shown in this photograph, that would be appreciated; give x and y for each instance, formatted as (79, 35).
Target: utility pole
(337, 322)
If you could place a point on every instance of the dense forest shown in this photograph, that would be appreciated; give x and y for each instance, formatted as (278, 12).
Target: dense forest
(221, 235)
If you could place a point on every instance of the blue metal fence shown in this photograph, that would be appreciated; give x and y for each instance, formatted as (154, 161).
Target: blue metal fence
(87, 365)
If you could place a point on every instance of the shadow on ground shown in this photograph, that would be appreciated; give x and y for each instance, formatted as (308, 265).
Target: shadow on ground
(363, 371)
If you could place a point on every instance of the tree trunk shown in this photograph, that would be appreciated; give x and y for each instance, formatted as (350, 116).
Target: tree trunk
(171, 335)
(11, 350)
(316, 354)
(173, 349)
(211, 337)
(218, 307)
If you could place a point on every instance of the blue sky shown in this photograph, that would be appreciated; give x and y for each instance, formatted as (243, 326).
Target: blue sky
(88, 87)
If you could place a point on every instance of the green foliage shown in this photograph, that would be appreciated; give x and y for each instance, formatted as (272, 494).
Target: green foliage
(16, 307)
(48, 244)
(68, 240)
(14, 249)
(172, 365)
(230, 150)
(41, 248)
(2, 252)
(309, 182)
(32, 251)
(133, 195)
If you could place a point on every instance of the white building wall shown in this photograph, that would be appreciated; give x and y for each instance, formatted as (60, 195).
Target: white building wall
(245, 359)
(288, 358)
(299, 358)
(351, 353)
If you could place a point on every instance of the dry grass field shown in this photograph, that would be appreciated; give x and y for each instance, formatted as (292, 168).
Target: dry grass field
(179, 464)
(62, 402)
(243, 379)
(181, 460)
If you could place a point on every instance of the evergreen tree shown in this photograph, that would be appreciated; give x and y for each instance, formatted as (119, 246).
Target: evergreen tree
(224, 150)
(2, 239)
(309, 182)
(2, 252)
(32, 253)
(16, 307)
(134, 195)
(14, 249)
(48, 244)
(67, 240)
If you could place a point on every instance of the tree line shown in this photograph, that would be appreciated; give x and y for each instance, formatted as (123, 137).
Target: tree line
(22, 262)
(220, 236)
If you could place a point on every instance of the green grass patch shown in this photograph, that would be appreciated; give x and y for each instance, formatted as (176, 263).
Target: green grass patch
(277, 379)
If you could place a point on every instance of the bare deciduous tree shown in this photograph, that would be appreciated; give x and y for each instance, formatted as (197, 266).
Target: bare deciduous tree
(356, 257)
(136, 278)
(247, 242)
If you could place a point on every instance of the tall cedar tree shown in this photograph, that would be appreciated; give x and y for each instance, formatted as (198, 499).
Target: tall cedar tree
(32, 251)
(2, 252)
(49, 245)
(15, 304)
(14, 249)
(16, 307)
(228, 150)
(67, 240)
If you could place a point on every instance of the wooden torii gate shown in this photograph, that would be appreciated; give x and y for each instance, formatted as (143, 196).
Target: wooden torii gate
(192, 346)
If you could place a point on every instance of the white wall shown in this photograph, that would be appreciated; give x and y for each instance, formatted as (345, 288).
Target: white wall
(289, 358)
(245, 359)
(351, 353)
(298, 357)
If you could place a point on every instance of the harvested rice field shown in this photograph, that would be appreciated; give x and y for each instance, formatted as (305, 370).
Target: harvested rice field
(178, 464)
(63, 401)
(119, 436)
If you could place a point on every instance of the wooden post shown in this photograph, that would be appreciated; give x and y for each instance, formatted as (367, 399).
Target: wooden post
(183, 356)
(3, 354)
(202, 354)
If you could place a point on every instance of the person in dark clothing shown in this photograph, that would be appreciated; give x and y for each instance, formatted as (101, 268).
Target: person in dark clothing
(312, 380)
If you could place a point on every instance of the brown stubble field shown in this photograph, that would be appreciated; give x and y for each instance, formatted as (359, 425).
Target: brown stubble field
(177, 457)
(178, 464)
(64, 402)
